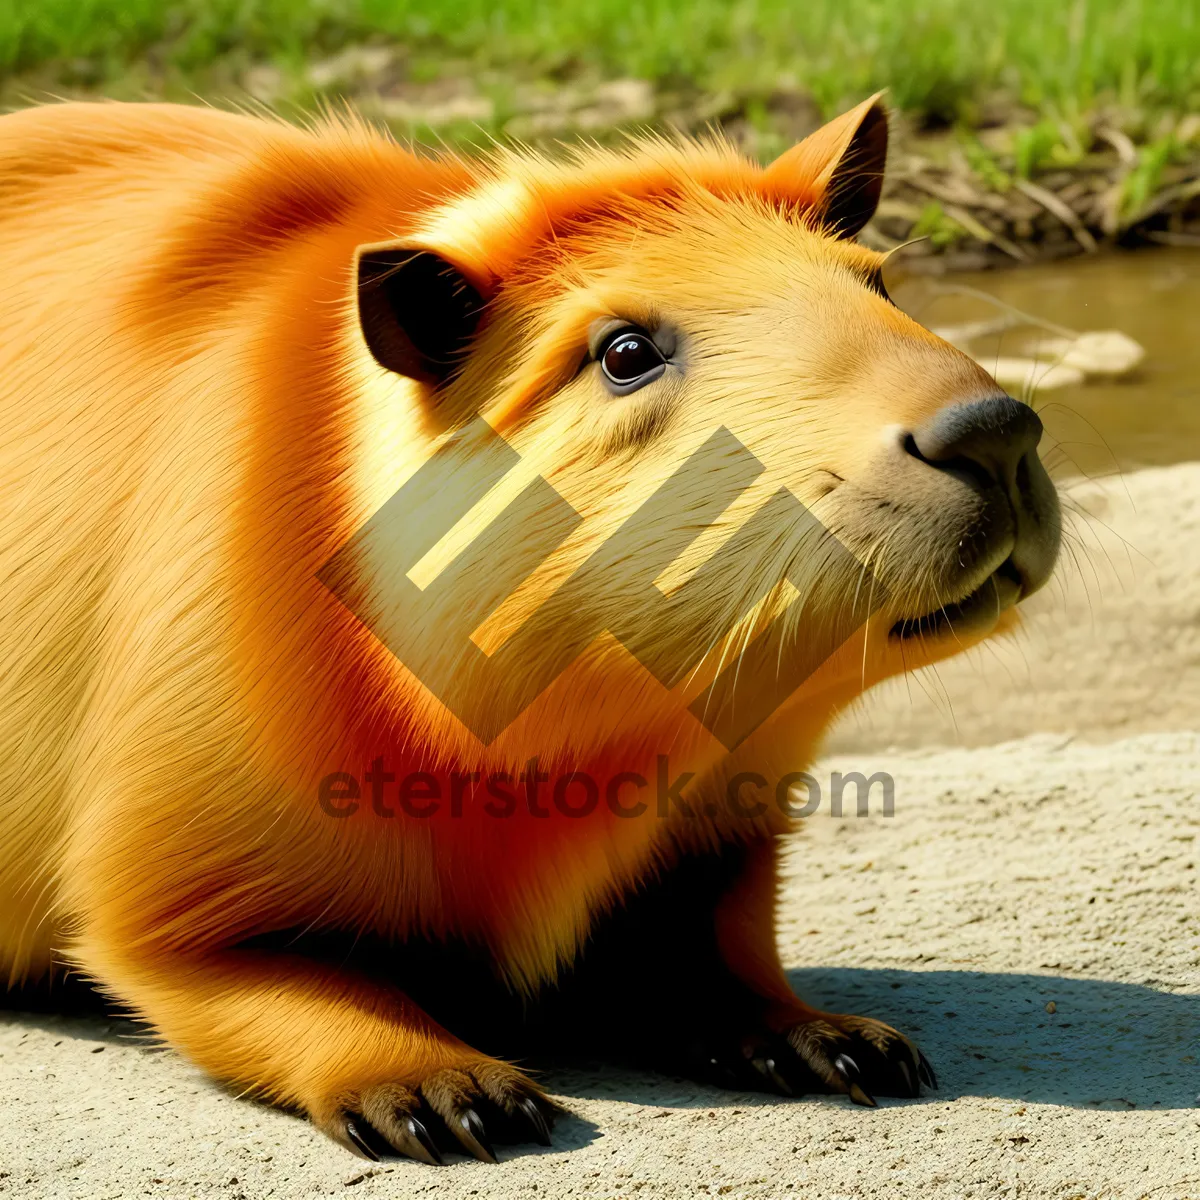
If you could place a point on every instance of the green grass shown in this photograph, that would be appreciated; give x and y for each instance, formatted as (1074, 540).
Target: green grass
(942, 59)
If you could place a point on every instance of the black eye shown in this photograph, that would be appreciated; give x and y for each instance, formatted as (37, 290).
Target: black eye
(630, 360)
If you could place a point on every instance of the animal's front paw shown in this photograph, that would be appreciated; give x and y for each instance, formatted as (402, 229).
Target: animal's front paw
(824, 1052)
(860, 1056)
(451, 1108)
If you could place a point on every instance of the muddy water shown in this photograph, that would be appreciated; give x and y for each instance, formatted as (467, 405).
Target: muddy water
(1097, 428)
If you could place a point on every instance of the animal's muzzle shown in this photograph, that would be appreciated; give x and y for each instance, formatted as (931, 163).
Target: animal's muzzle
(991, 445)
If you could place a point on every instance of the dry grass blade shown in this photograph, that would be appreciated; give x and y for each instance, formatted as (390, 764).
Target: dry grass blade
(1063, 211)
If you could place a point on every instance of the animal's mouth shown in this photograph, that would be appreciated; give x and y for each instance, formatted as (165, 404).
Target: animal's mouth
(974, 613)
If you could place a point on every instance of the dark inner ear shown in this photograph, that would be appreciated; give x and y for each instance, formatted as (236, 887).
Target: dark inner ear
(418, 312)
(853, 193)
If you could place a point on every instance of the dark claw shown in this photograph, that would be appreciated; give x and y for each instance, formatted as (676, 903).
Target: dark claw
(847, 1068)
(357, 1141)
(767, 1069)
(925, 1070)
(536, 1118)
(474, 1138)
(420, 1135)
(723, 1075)
(914, 1088)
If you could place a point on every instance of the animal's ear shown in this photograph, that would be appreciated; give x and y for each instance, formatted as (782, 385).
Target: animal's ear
(839, 168)
(417, 310)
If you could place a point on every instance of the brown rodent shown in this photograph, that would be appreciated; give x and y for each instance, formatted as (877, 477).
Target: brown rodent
(229, 343)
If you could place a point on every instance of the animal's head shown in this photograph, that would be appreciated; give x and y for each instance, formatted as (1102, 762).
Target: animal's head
(607, 317)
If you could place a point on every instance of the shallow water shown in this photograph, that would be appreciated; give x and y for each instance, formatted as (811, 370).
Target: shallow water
(1153, 295)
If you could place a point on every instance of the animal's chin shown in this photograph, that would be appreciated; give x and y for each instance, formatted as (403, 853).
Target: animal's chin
(975, 615)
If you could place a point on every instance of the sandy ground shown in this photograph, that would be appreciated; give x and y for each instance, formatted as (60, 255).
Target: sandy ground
(1014, 873)
(1111, 647)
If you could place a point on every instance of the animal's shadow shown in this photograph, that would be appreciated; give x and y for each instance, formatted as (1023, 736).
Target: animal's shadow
(1105, 1045)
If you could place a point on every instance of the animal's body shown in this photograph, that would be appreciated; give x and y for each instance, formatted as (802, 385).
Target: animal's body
(227, 344)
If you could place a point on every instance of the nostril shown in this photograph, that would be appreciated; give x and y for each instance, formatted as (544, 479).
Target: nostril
(1010, 571)
(960, 465)
(911, 447)
(1023, 481)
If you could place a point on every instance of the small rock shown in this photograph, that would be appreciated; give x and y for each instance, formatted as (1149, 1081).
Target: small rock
(1051, 1006)
(1028, 374)
(1107, 352)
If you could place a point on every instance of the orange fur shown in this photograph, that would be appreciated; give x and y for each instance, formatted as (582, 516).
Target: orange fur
(192, 427)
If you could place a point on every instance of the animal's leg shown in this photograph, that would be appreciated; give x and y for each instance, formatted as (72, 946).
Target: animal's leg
(845, 1053)
(367, 1065)
(698, 950)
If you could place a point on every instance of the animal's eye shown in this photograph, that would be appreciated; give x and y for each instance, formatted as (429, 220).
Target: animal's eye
(630, 360)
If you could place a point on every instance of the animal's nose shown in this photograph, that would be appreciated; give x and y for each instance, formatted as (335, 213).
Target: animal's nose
(991, 436)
